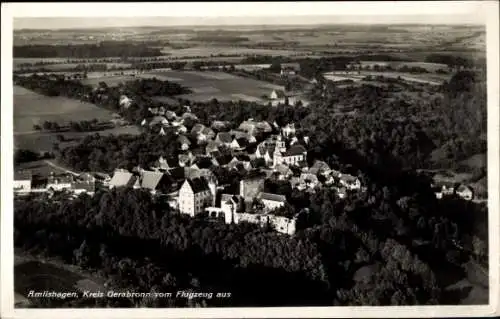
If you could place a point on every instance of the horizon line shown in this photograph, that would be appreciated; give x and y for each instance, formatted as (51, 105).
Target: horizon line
(235, 21)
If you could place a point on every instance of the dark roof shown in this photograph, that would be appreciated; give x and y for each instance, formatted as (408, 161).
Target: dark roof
(177, 173)
(198, 184)
(172, 161)
(242, 142)
(204, 162)
(273, 197)
(243, 158)
(295, 150)
(224, 137)
(184, 140)
(223, 159)
(280, 94)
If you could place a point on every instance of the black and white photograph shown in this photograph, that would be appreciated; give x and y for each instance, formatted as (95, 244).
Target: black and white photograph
(210, 157)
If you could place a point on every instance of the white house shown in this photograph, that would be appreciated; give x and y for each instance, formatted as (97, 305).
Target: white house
(350, 182)
(272, 201)
(194, 195)
(22, 182)
(59, 183)
(288, 131)
(293, 156)
(465, 192)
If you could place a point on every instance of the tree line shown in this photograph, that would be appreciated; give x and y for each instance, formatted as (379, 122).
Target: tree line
(100, 50)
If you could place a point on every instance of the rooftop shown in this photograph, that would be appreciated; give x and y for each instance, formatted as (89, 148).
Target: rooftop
(272, 197)
(198, 185)
(295, 150)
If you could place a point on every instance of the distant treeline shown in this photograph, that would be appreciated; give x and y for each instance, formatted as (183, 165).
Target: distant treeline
(218, 38)
(100, 50)
(450, 60)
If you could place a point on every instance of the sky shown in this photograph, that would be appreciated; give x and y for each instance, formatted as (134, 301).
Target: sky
(98, 15)
(66, 23)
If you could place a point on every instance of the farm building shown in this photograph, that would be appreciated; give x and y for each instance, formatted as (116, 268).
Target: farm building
(465, 192)
(289, 69)
(122, 178)
(22, 181)
(272, 201)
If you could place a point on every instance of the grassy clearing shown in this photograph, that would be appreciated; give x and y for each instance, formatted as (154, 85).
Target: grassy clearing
(221, 86)
(31, 108)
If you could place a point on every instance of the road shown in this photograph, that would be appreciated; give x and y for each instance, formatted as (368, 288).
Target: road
(50, 163)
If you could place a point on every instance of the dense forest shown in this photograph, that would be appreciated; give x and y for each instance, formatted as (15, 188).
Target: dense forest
(101, 50)
(388, 246)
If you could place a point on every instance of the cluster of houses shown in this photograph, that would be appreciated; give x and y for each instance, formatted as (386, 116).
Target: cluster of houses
(190, 186)
(25, 182)
(444, 188)
(189, 182)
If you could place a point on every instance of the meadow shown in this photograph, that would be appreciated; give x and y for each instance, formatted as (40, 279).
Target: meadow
(207, 85)
(428, 78)
(31, 108)
(208, 51)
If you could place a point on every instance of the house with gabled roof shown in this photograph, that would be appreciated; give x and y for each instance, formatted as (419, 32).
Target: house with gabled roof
(224, 138)
(152, 180)
(289, 69)
(202, 133)
(122, 178)
(295, 155)
(222, 160)
(211, 147)
(350, 182)
(319, 168)
(22, 181)
(277, 94)
(465, 192)
(194, 195)
(166, 163)
(272, 201)
(186, 159)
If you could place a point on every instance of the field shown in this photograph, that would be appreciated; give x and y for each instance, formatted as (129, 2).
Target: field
(208, 51)
(431, 67)
(434, 79)
(222, 86)
(31, 108)
(110, 80)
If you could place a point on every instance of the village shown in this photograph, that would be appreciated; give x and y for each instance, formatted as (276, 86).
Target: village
(190, 186)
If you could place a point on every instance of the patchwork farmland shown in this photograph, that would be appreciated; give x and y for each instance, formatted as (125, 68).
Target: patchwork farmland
(222, 86)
